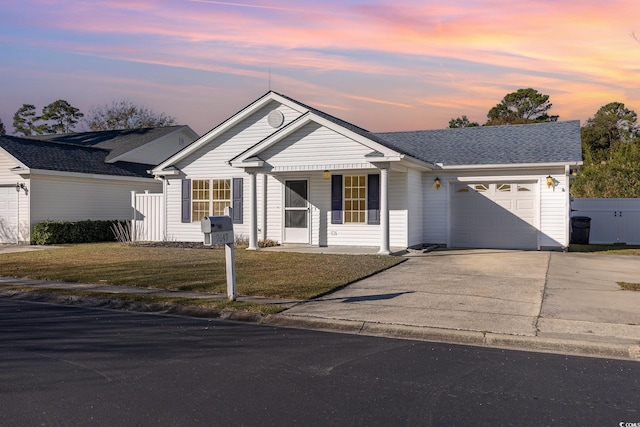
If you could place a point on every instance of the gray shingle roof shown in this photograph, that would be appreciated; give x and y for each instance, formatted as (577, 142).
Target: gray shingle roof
(39, 154)
(551, 142)
(117, 142)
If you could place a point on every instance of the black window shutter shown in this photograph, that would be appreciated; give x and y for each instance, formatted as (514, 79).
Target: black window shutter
(336, 199)
(373, 199)
(236, 203)
(186, 200)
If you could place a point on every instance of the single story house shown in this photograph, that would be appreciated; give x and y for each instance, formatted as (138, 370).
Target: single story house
(79, 176)
(297, 175)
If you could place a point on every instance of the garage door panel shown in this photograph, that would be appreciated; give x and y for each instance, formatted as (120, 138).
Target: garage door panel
(500, 215)
(8, 215)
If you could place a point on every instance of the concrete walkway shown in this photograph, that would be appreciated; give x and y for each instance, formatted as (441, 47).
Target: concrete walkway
(544, 301)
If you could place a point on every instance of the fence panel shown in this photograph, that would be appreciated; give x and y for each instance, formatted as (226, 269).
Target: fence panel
(147, 224)
(613, 221)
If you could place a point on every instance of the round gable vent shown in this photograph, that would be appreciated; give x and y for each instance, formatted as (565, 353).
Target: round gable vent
(275, 119)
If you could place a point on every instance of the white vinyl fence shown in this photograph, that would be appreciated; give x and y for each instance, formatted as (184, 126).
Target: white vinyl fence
(613, 221)
(147, 223)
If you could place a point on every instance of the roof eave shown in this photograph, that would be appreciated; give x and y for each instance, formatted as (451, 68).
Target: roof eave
(512, 165)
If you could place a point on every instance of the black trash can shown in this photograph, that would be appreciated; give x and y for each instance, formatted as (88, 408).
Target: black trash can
(580, 227)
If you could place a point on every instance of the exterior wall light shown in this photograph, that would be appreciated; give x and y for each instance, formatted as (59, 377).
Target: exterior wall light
(437, 183)
(550, 182)
(326, 174)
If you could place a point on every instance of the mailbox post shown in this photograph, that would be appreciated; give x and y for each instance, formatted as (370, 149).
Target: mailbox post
(219, 230)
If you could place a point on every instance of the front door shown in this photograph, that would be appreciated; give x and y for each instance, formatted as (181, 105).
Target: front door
(296, 211)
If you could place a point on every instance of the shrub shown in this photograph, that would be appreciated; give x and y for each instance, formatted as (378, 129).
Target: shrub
(58, 232)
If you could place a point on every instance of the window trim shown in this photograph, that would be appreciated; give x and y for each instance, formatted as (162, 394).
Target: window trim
(211, 202)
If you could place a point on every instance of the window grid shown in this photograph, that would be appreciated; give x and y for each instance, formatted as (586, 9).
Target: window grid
(221, 195)
(209, 197)
(355, 199)
(200, 193)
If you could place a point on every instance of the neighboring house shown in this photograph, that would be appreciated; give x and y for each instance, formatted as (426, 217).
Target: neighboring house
(79, 176)
(300, 176)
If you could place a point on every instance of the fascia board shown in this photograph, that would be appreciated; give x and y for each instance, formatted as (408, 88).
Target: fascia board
(165, 172)
(226, 125)
(511, 166)
(33, 172)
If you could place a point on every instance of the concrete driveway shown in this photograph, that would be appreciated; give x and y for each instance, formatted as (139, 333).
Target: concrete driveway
(472, 290)
(549, 295)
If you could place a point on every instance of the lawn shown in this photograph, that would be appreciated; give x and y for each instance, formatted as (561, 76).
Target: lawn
(258, 273)
(610, 249)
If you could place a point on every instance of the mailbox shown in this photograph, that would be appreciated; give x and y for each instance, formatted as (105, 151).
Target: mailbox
(217, 230)
(214, 224)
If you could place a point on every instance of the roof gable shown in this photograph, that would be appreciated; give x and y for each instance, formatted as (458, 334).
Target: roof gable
(227, 125)
(359, 136)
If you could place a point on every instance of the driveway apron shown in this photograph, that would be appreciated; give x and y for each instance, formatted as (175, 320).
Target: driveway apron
(474, 290)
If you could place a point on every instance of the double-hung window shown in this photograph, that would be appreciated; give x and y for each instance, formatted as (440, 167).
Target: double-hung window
(209, 197)
(355, 199)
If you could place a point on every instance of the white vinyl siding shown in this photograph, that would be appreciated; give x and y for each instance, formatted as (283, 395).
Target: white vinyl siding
(554, 212)
(211, 162)
(212, 159)
(435, 211)
(414, 208)
(351, 234)
(77, 199)
(316, 148)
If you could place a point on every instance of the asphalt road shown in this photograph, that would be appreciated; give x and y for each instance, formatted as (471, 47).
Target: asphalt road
(63, 365)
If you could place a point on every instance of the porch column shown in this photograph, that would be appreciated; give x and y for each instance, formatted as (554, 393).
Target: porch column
(384, 211)
(253, 212)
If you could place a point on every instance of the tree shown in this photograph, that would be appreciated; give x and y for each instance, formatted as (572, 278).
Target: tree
(124, 114)
(611, 126)
(462, 122)
(64, 116)
(3, 131)
(520, 107)
(611, 152)
(23, 120)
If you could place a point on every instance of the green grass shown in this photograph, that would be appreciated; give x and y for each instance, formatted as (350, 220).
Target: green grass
(608, 249)
(258, 273)
(629, 286)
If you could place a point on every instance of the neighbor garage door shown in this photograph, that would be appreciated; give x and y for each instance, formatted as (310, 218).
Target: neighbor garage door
(8, 215)
(494, 215)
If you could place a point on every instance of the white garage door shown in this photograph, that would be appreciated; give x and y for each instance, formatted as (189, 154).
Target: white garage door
(8, 215)
(494, 215)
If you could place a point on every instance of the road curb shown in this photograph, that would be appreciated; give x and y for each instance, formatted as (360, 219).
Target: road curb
(418, 333)
(451, 336)
(135, 306)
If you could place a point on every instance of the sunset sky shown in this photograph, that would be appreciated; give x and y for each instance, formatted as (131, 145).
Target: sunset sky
(383, 65)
